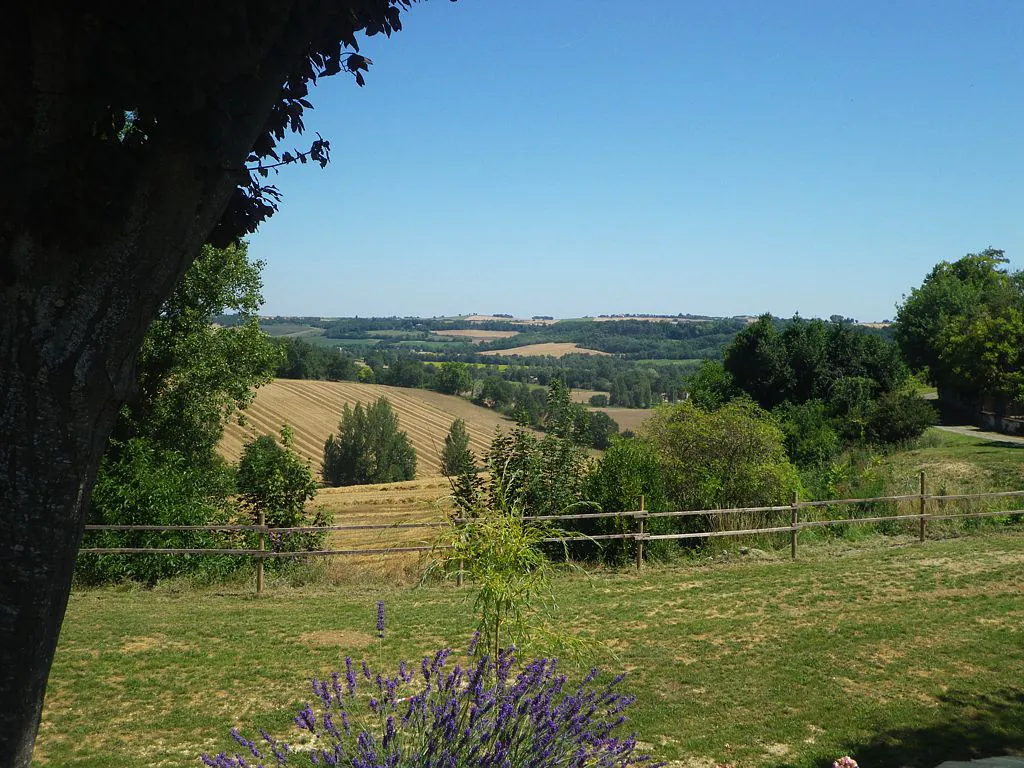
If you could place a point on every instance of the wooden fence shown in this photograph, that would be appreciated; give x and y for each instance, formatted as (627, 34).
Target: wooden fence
(640, 534)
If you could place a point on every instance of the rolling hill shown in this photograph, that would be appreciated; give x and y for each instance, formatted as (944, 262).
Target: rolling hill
(313, 409)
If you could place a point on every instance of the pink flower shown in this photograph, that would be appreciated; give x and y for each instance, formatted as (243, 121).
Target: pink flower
(845, 762)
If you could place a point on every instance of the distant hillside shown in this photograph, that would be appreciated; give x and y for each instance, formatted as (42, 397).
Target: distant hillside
(313, 409)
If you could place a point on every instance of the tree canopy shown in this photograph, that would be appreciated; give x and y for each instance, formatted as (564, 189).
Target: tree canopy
(963, 327)
(369, 447)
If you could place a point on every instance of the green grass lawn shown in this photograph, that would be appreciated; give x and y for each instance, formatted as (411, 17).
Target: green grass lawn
(897, 653)
(958, 464)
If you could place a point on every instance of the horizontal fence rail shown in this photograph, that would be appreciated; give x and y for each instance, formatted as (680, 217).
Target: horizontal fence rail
(639, 536)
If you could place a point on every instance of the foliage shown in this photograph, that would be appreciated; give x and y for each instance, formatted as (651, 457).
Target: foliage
(480, 715)
(899, 417)
(149, 485)
(273, 482)
(161, 466)
(369, 448)
(303, 360)
(633, 389)
(961, 325)
(603, 428)
(599, 401)
(731, 457)
(826, 381)
(627, 474)
(711, 386)
(544, 477)
(563, 418)
(810, 439)
(807, 359)
(456, 458)
(192, 375)
(453, 378)
(501, 552)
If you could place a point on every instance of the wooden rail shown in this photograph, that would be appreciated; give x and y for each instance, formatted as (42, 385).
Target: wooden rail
(639, 536)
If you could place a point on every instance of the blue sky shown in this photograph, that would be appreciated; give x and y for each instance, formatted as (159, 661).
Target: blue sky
(574, 157)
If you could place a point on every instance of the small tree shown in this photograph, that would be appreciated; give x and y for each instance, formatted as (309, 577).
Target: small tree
(456, 458)
(369, 448)
(273, 480)
(453, 378)
(602, 429)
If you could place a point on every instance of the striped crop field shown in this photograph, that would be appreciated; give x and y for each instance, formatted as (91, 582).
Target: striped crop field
(313, 409)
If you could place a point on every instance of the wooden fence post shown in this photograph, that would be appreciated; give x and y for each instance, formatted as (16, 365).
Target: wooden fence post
(921, 504)
(462, 563)
(261, 546)
(794, 516)
(640, 536)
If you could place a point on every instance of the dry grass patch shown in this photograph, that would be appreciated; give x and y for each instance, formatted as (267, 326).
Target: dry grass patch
(477, 336)
(547, 349)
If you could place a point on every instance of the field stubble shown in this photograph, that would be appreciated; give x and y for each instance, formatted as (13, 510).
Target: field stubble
(313, 409)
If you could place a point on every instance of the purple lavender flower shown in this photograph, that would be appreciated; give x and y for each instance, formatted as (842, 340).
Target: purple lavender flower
(486, 715)
(380, 619)
(350, 676)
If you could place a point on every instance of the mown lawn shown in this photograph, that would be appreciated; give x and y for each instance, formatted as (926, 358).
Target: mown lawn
(897, 653)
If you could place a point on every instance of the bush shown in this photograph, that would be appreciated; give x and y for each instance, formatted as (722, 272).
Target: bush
(732, 457)
(599, 401)
(602, 429)
(274, 481)
(897, 417)
(475, 716)
(630, 469)
(369, 448)
(810, 439)
(140, 484)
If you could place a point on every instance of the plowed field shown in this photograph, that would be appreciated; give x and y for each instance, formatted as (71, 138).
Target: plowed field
(313, 409)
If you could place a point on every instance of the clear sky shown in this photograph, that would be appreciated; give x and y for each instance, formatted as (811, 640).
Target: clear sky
(574, 157)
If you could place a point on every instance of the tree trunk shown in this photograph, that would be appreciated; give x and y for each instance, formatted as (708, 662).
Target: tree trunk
(93, 237)
(52, 446)
(71, 324)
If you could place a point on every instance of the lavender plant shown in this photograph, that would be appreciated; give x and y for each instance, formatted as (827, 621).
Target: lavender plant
(479, 715)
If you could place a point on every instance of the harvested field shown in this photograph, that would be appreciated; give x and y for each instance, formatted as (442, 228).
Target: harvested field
(394, 504)
(475, 336)
(497, 319)
(651, 319)
(548, 349)
(313, 409)
(584, 395)
(627, 418)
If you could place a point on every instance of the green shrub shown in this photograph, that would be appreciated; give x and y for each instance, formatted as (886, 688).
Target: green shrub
(138, 484)
(275, 482)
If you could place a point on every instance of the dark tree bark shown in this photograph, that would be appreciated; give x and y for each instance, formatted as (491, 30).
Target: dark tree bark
(70, 327)
(97, 223)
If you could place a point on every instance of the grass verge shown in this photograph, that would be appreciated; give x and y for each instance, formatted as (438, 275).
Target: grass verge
(900, 654)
